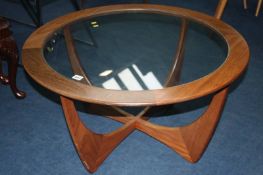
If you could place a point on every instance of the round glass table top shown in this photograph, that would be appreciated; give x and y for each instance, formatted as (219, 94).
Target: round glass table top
(135, 55)
(135, 51)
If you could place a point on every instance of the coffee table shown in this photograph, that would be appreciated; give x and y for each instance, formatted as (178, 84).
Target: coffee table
(146, 56)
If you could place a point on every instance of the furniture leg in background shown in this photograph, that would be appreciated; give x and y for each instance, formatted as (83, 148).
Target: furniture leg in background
(9, 52)
(258, 6)
(220, 8)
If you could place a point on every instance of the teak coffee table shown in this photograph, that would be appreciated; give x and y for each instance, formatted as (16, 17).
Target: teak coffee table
(146, 56)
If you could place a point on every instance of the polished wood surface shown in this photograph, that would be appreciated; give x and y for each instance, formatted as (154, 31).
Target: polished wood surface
(220, 8)
(188, 141)
(236, 61)
(9, 52)
(73, 56)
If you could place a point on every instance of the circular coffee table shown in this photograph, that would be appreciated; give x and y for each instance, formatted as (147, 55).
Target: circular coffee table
(142, 56)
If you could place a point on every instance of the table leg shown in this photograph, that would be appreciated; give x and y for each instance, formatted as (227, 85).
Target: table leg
(189, 141)
(175, 71)
(92, 148)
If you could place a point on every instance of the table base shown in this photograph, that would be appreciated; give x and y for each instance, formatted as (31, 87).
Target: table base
(188, 141)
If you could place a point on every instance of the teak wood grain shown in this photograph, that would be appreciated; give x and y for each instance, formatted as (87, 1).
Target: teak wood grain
(188, 141)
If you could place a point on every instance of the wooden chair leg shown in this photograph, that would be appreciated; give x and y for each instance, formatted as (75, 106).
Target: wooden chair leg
(258, 7)
(12, 70)
(220, 8)
(245, 4)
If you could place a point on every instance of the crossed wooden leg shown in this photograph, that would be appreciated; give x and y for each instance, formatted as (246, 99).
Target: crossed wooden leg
(93, 148)
(188, 141)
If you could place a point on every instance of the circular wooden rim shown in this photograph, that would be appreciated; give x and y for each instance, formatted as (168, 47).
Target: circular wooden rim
(36, 66)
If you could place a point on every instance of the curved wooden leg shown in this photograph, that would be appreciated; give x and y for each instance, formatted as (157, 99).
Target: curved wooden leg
(220, 8)
(3, 78)
(258, 7)
(92, 148)
(12, 69)
(245, 4)
(10, 53)
(189, 141)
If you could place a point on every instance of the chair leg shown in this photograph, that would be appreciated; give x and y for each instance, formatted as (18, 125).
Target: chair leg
(258, 7)
(3, 78)
(12, 70)
(220, 8)
(245, 4)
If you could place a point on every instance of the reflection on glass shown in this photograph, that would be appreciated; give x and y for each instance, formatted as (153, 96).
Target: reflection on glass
(133, 80)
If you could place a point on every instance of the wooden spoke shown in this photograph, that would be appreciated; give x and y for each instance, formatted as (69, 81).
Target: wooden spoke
(175, 72)
(73, 56)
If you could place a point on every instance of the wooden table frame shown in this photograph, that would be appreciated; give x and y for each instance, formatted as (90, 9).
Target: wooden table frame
(188, 141)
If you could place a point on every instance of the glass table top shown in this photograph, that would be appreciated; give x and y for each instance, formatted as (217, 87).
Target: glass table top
(135, 51)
